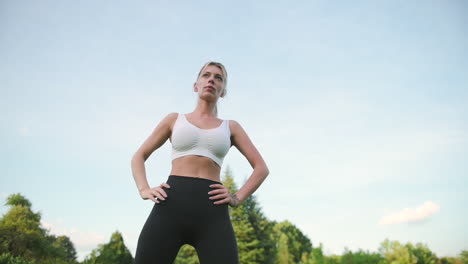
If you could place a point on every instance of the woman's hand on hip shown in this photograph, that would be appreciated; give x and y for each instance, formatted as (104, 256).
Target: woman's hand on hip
(221, 192)
(155, 193)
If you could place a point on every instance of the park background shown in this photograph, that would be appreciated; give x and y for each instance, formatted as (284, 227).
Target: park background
(359, 109)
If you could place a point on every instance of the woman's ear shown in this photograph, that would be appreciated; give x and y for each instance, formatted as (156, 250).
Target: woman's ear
(223, 93)
(195, 89)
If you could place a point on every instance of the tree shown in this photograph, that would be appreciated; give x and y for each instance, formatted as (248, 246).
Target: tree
(263, 229)
(361, 257)
(114, 252)
(18, 200)
(283, 252)
(187, 255)
(333, 259)
(7, 258)
(422, 253)
(396, 253)
(22, 239)
(250, 250)
(464, 256)
(64, 248)
(298, 244)
(449, 260)
(20, 230)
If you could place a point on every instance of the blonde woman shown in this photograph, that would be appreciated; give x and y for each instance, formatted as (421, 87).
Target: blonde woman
(191, 207)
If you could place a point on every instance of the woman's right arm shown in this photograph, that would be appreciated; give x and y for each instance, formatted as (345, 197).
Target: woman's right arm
(157, 138)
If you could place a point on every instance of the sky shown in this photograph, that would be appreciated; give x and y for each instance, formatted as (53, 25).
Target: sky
(359, 108)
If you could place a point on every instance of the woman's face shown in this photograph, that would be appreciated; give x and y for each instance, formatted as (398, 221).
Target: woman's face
(210, 84)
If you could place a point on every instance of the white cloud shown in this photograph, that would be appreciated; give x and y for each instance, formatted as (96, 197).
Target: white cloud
(410, 215)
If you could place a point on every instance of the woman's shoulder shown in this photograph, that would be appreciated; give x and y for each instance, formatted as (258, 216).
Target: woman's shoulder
(169, 119)
(172, 115)
(234, 126)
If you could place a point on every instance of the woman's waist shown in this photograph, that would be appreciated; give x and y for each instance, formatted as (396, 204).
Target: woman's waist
(188, 192)
(192, 180)
(196, 167)
(188, 187)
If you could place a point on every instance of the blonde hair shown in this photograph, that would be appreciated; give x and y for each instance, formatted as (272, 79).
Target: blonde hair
(221, 66)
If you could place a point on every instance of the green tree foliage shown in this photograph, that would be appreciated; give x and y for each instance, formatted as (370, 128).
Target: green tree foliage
(18, 200)
(361, 257)
(464, 256)
(396, 253)
(462, 259)
(21, 233)
(7, 258)
(316, 257)
(422, 253)
(332, 259)
(260, 241)
(284, 257)
(67, 248)
(187, 255)
(449, 260)
(23, 239)
(250, 251)
(298, 244)
(263, 229)
(114, 252)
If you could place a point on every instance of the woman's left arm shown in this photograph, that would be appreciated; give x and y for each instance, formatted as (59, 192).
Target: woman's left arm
(242, 142)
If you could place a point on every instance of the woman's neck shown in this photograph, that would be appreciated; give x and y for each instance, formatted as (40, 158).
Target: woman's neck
(205, 109)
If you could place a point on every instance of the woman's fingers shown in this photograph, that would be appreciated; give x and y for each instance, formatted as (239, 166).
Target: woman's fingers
(149, 194)
(161, 191)
(220, 192)
(156, 193)
(226, 200)
(217, 191)
(219, 196)
(159, 195)
(154, 200)
(218, 188)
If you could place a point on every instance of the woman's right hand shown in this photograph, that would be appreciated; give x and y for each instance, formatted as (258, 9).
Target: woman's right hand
(155, 193)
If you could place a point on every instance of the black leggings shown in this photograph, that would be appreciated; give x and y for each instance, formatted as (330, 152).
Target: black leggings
(187, 216)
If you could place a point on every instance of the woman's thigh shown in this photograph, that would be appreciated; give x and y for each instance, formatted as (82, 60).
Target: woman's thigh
(216, 243)
(159, 239)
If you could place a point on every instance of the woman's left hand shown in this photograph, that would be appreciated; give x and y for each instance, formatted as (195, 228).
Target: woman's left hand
(221, 192)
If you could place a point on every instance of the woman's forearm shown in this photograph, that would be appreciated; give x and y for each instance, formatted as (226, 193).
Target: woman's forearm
(139, 172)
(251, 185)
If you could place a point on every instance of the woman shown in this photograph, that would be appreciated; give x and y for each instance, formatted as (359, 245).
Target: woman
(192, 206)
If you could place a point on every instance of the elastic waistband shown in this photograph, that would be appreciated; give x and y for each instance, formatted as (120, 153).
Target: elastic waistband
(190, 178)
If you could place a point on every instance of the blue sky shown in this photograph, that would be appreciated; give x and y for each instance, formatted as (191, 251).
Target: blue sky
(359, 109)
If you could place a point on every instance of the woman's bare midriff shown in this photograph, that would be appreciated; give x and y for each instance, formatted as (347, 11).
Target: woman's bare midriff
(196, 166)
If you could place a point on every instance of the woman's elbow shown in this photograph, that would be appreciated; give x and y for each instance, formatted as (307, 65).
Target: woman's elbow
(138, 156)
(265, 171)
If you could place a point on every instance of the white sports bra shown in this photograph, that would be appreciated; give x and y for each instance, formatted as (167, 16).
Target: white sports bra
(188, 139)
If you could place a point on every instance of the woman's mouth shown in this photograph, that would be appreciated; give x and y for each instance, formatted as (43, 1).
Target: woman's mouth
(210, 88)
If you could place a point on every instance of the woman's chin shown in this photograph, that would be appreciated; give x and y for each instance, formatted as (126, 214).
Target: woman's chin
(209, 98)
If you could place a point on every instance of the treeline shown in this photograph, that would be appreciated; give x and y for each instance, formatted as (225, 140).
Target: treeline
(24, 241)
